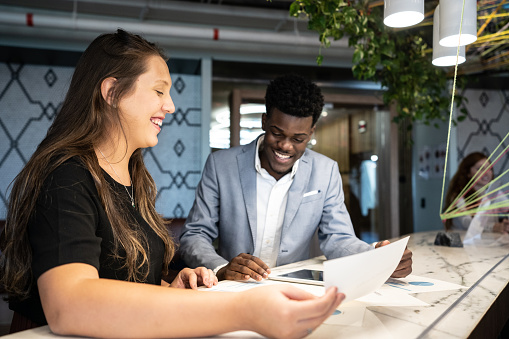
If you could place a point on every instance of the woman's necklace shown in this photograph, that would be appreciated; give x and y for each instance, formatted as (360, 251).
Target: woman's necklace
(132, 190)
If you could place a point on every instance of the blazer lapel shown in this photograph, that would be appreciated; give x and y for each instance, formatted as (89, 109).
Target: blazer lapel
(297, 190)
(247, 174)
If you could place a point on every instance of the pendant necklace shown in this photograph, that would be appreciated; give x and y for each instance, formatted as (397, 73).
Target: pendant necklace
(132, 189)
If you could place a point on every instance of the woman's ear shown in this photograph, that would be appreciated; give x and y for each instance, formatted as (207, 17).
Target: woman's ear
(106, 87)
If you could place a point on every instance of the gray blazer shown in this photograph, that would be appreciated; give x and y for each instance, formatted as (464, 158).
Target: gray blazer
(225, 209)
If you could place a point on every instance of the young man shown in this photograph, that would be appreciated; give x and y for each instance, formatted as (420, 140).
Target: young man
(265, 200)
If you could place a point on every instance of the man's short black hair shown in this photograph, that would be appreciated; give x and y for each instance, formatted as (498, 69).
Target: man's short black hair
(294, 95)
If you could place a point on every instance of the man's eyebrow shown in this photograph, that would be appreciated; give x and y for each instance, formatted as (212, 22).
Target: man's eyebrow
(280, 130)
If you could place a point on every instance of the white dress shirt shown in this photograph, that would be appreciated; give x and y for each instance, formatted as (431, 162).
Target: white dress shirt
(271, 198)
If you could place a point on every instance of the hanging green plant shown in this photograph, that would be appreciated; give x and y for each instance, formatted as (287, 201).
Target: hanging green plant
(398, 60)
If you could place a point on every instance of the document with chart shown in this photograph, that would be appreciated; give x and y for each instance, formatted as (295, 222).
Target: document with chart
(360, 274)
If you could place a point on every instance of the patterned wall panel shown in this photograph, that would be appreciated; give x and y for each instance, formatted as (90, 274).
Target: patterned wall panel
(175, 161)
(486, 125)
(30, 96)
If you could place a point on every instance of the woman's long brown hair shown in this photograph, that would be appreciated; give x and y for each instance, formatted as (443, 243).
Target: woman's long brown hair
(460, 180)
(82, 122)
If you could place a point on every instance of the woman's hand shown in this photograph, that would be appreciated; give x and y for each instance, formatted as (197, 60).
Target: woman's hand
(285, 311)
(192, 278)
(501, 227)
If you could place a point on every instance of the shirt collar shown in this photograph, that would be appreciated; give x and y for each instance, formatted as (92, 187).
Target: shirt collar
(258, 164)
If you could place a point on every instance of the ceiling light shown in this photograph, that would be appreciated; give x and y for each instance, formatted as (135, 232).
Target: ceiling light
(252, 108)
(403, 13)
(444, 56)
(450, 20)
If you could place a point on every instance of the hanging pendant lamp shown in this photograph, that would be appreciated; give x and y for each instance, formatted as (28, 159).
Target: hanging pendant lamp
(450, 20)
(403, 13)
(444, 56)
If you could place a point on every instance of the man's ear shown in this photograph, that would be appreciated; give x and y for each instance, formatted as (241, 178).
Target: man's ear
(264, 120)
(106, 87)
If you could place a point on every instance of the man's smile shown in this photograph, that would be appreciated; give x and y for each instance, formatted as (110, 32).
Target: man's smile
(281, 156)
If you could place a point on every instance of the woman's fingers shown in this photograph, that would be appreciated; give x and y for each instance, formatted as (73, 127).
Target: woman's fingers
(206, 276)
(288, 311)
(315, 309)
(192, 280)
(311, 323)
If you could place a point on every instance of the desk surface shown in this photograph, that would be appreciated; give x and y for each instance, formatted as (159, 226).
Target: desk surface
(479, 309)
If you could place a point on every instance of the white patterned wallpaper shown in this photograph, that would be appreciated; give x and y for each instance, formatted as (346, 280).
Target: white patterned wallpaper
(486, 125)
(30, 96)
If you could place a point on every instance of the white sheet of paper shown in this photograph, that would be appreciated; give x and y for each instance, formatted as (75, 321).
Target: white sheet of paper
(237, 285)
(360, 274)
(416, 284)
(351, 314)
(383, 297)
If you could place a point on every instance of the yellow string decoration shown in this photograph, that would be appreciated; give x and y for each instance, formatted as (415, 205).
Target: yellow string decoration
(492, 199)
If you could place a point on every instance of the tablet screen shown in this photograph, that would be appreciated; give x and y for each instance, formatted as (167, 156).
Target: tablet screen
(305, 276)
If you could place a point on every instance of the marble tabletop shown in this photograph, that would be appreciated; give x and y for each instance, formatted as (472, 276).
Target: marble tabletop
(482, 268)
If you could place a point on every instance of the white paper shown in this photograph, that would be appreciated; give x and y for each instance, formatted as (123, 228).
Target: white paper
(383, 297)
(416, 284)
(237, 285)
(351, 314)
(360, 274)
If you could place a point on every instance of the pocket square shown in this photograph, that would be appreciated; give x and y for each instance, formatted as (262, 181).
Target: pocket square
(311, 193)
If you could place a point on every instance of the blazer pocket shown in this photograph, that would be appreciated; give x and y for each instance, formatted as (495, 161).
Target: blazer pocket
(311, 196)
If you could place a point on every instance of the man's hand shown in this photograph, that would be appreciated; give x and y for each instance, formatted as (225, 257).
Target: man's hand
(243, 267)
(405, 265)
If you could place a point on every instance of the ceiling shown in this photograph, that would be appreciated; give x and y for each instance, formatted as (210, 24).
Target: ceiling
(489, 55)
(249, 41)
(254, 31)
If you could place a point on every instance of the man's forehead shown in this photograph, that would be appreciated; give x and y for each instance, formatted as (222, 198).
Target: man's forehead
(298, 123)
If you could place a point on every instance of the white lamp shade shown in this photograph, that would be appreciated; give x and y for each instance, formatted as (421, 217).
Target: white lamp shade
(403, 13)
(444, 56)
(450, 20)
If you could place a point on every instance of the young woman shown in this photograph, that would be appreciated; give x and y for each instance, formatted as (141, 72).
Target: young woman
(84, 249)
(469, 166)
